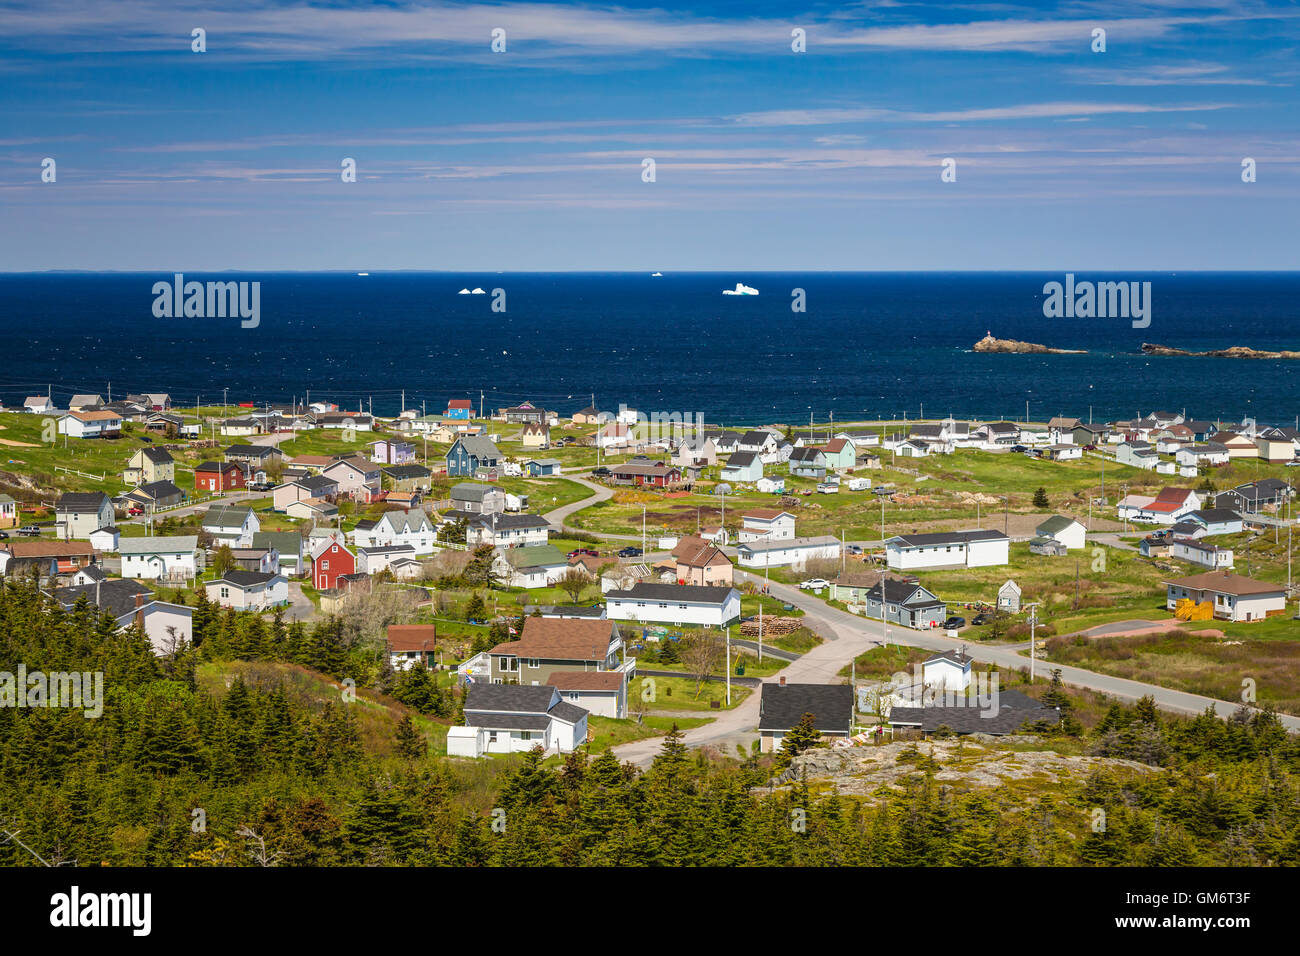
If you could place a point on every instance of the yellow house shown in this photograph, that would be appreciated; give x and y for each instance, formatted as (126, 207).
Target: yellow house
(534, 435)
(149, 465)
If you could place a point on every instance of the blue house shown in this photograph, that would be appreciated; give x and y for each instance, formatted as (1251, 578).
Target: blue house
(542, 467)
(1218, 521)
(469, 455)
(460, 408)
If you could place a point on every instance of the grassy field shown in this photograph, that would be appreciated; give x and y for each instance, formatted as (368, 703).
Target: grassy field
(678, 693)
(611, 733)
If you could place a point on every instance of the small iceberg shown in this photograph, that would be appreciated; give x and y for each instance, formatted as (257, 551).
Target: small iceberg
(656, 275)
(463, 292)
(363, 273)
(741, 289)
(478, 291)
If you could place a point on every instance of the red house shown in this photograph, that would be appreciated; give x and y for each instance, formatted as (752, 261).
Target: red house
(647, 475)
(213, 476)
(329, 561)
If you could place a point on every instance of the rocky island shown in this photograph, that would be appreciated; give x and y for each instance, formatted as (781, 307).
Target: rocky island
(990, 344)
(1237, 351)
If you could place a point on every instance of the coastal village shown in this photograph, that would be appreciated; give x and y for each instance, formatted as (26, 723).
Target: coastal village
(578, 577)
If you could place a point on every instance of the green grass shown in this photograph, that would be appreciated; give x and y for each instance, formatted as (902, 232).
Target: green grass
(611, 733)
(678, 693)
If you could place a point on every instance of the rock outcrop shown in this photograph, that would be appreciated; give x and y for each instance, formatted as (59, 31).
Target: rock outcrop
(1237, 351)
(990, 344)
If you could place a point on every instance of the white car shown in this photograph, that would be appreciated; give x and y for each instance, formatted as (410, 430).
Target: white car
(814, 584)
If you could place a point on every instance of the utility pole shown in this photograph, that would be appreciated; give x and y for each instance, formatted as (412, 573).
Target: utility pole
(480, 403)
(1033, 644)
(728, 665)
(643, 530)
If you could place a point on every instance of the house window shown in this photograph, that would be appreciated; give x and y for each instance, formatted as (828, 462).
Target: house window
(525, 735)
(534, 663)
(492, 736)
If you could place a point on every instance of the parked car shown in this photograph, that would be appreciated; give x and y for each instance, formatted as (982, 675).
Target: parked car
(954, 623)
(261, 486)
(580, 551)
(135, 510)
(1019, 449)
(1293, 464)
(4, 535)
(814, 584)
(979, 619)
(630, 553)
(601, 472)
(1089, 447)
(855, 549)
(30, 531)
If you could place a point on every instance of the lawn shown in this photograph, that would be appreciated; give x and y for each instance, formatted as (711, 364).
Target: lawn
(611, 733)
(678, 693)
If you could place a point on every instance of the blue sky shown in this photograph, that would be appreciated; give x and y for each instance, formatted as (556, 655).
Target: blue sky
(531, 159)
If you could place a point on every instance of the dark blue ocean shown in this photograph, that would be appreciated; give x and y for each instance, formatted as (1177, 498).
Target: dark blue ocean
(869, 345)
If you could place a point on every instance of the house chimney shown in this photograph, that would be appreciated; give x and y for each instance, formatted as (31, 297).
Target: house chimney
(782, 680)
(139, 613)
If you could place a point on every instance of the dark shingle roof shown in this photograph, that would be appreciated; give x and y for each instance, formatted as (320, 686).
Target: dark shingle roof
(116, 596)
(81, 502)
(679, 593)
(1013, 709)
(509, 698)
(783, 706)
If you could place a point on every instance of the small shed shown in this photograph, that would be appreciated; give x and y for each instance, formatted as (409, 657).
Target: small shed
(1009, 597)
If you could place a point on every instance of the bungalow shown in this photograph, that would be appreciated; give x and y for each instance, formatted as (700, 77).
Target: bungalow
(766, 524)
(1063, 452)
(377, 558)
(331, 559)
(542, 467)
(1211, 453)
(1218, 520)
(316, 510)
(411, 528)
(792, 553)
(408, 477)
(475, 498)
(782, 707)
(149, 464)
(253, 458)
(343, 420)
(356, 478)
(914, 448)
(249, 590)
(645, 474)
(1086, 434)
(1067, 531)
(78, 513)
(241, 427)
(289, 545)
(411, 644)
(154, 495)
(300, 489)
(1230, 597)
(1200, 552)
(971, 549)
(1139, 454)
(48, 557)
(947, 672)
(167, 626)
(231, 524)
(678, 604)
(507, 719)
(388, 451)
(461, 408)
(905, 603)
(1255, 496)
(95, 424)
(770, 486)
(1153, 547)
(1275, 450)
(471, 454)
(743, 467)
(531, 566)
(1238, 445)
(38, 405)
(525, 413)
(994, 435)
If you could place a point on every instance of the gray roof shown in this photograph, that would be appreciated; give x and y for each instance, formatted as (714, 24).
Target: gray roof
(478, 445)
(246, 579)
(1055, 524)
(509, 698)
(81, 502)
(1014, 708)
(226, 516)
(159, 456)
(782, 706)
(470, 491)
(741, 459)
(115, 596)
(948, 537)
(678, 593)
(159, 544)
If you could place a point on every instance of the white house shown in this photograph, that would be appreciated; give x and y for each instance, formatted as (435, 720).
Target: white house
(164, 556)
(249, 590)
(104, 539)
(232, 525)
(1067, 531)
(789, 552)
(77, 513)
(1231, 596)
(1200, 552)
(411, 528)
(1168, 507)
(167, 626)
(679, 604)
(531, 566)
(948, 671)
(766, 524)
(514, 718)
(946, 549)
(381, 557)
(743, 466)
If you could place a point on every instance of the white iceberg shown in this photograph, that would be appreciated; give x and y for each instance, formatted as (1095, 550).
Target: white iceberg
(741, 289)
(656, 275)
(478, 291)
(463, 292)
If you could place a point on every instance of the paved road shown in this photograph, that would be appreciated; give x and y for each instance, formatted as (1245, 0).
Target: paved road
(201, 506)
(300, 606)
